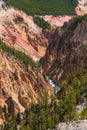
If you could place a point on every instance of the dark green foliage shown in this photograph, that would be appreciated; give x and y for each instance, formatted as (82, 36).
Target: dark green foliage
(4, 109)
(45, 7)
(84, 113)
(73, 24)
(42, 23)
(85, 95)
(21, 56)
(46, 115)
(18, 19)
(68, 105)
(76, 21)
(38, 117)
(73, 89)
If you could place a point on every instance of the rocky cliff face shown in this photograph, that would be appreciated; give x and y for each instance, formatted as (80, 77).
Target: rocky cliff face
(19, 31)
(57, 21)
(19, 85)
(67, 51)
(81, 9)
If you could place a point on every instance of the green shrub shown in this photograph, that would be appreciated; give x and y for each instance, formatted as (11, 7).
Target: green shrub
(20, 55)
(42, 23)
(18, 19)
(76, 21)
(84, 113)
(45, 115)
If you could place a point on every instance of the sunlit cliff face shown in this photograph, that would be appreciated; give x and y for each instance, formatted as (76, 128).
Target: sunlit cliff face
(57, 21)
(25, 35)
(81, 9)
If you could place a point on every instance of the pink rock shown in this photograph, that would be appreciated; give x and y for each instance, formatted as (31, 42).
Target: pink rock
(58, 20)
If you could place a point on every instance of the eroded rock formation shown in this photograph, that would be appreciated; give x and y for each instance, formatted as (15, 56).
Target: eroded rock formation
(19, 31)
(19, 85)
(81, 9)
(67, 51)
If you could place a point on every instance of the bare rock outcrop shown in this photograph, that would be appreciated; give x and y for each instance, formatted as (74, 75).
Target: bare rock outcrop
(20, 85)
(66, 52)
(81, 9)
(78, 125)
(18, 30)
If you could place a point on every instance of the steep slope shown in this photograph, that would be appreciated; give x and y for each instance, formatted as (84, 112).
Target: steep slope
(67, 51)
(19, 31)
(19, 85)
(63, 108)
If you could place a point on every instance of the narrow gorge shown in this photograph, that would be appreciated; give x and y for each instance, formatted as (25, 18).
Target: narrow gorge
(43, 65)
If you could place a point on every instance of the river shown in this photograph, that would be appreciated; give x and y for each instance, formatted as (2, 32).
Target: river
(55, 87)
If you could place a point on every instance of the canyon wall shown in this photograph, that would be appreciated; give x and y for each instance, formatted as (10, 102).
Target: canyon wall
(67, 51)
(81, 9)
(20, 85)
(19, 31)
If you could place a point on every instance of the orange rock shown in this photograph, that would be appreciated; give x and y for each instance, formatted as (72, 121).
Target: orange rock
(81, 9)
